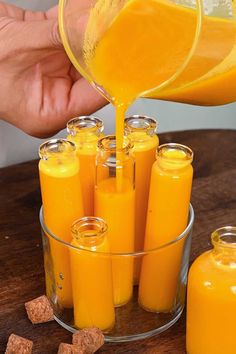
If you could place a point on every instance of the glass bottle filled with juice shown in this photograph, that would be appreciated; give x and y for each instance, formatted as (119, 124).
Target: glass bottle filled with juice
(211, 299)
(167, 217)
(85, 132)
(115, 203)
(62, 205)
(91, 275)
(141, 131)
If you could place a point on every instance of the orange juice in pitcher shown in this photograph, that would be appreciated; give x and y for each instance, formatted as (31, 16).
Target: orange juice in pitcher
(168, 49)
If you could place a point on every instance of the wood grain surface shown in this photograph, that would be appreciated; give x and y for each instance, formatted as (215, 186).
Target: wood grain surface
(21, 258)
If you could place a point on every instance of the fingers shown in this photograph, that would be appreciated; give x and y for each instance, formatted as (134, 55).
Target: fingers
(84, 99)
(52, 13)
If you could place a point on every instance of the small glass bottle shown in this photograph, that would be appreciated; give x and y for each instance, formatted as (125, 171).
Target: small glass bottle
(141, 130)
(62, 204)
(91, 275)
(211, 299)
(115, 203)
(84, 132)
(167, 217)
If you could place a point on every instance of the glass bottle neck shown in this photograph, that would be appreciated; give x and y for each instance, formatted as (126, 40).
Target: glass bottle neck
(140, 128)
(89, 232)
(85, 128)
(57, 150)
(224, 242)
(107, 147)
(174, 157)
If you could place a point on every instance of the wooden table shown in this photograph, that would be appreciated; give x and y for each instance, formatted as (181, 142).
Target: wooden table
(21, 258)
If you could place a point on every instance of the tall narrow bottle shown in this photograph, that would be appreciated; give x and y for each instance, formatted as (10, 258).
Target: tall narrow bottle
(115, 203)
(91, 275)
(167, 217)
(141, 131)
(211, 301)
(62, 205)
(85, 132)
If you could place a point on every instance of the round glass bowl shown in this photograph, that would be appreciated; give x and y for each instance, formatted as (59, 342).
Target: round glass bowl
(157, 295)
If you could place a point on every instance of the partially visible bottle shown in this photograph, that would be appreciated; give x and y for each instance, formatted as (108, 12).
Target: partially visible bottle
(115, 203)
(84, 132)
(62, 204)
(141, 131)
(211, 300)
(167, 218)
(91, 275)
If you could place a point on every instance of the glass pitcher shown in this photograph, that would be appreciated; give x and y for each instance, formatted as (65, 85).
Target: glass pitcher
(182, 50)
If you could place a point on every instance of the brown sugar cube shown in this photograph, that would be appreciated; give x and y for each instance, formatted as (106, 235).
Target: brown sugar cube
(69, 349)
(18, 345)
(39, 310)
(89, 339)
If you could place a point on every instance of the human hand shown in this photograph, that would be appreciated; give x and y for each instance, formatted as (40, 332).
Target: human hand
(40, 90)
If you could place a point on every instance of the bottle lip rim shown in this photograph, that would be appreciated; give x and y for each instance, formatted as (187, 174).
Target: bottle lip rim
(46, 149)
(73, 125)
(222, 237)
(151, 124)
(175, 146)
(89, 220)
(186, 233)
(127, 144)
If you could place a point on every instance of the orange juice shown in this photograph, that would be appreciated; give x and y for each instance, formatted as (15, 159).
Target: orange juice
(62, 204)
(91, 275)
(211, 301)
(85, 132)
(141, 132)
(148, 43)
(115, 203)
(167, 218)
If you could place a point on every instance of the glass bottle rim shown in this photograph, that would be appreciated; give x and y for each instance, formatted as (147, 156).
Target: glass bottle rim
(82, 123)
(140, 123)
(96, 226)
(187, 156)
(108, 144)
(224, 237)
(94, 221)
(186, 233)
(54, 146)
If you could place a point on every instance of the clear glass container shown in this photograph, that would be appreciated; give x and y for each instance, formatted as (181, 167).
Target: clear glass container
(84, 132)
(132, 322)
(141, 131)
(211, 301)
